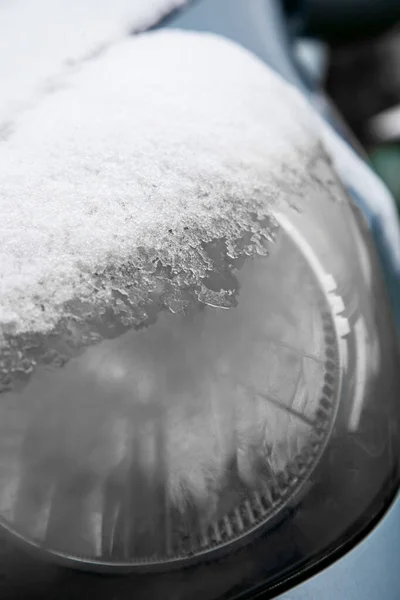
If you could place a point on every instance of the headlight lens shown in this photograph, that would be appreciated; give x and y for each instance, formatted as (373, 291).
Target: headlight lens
(197, 370)
(272, 418)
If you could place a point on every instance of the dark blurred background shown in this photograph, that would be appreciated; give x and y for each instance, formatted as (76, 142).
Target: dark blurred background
(357, 61)
(363, 79)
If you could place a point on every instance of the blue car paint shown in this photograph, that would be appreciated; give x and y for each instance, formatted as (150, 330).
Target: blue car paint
(370, 571)
(245, 22)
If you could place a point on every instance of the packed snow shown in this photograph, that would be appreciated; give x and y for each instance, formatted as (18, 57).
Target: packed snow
(42, 39)
(164, 134)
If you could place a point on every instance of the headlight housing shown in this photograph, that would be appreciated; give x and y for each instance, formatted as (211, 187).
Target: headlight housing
(226, 393)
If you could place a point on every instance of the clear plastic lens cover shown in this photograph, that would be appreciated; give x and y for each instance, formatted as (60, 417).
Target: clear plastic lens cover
(232, 442)
(188, 433)
(198, 364)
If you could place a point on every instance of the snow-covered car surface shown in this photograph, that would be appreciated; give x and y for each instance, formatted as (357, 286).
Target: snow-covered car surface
(164, 200)
(145, 139)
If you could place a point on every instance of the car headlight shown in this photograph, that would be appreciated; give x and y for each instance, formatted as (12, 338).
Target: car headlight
(197, 349)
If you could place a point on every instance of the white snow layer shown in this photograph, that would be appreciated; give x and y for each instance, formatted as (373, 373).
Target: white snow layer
(164, 130)
(39, 39)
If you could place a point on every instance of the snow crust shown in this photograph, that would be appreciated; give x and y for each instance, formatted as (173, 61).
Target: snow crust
(165, 142)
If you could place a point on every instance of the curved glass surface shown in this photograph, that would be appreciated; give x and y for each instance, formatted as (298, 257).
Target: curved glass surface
(221, 445)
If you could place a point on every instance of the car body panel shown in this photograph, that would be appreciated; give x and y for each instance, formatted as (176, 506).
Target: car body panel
(370, 571)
